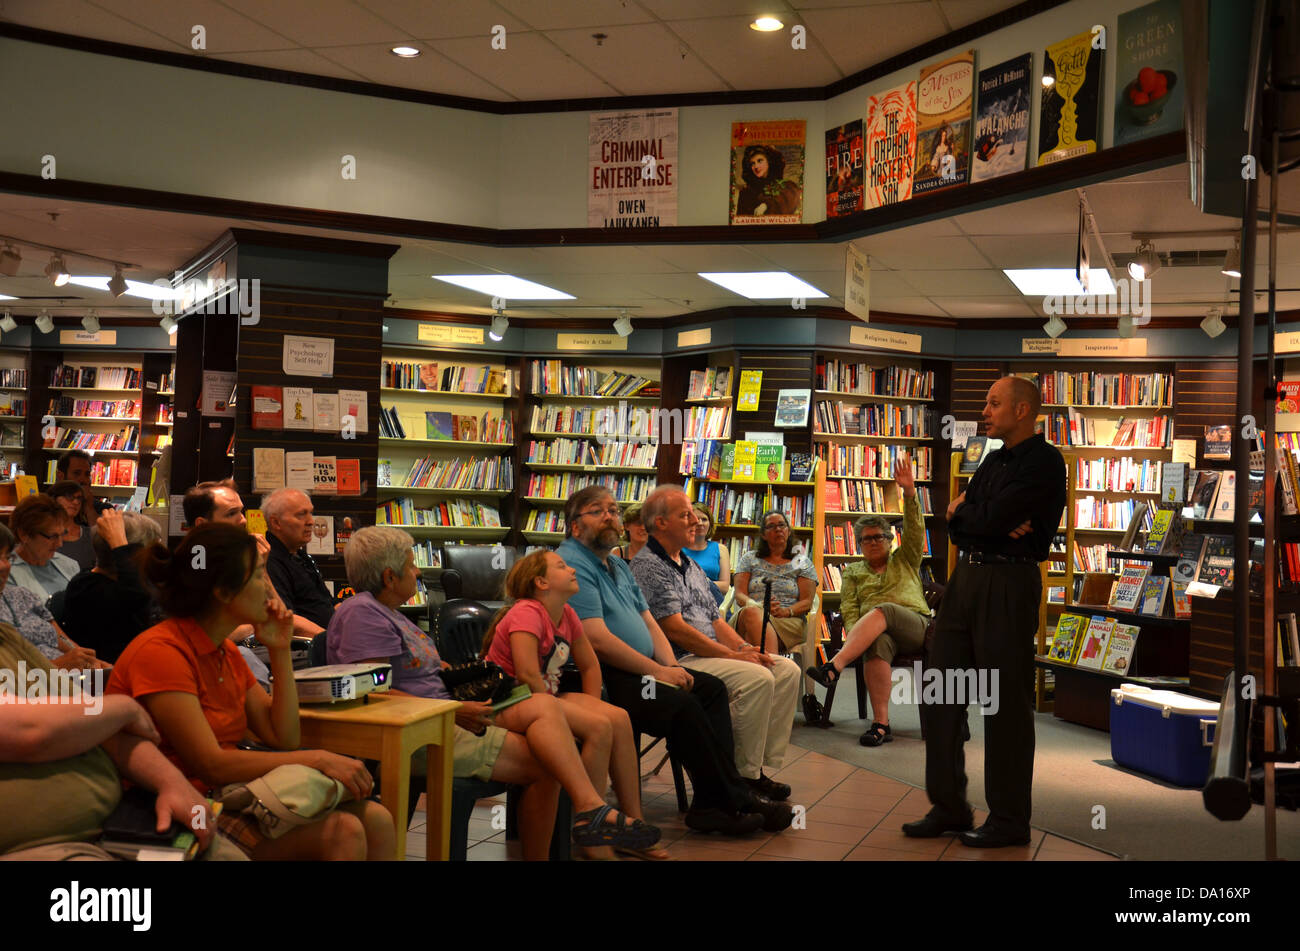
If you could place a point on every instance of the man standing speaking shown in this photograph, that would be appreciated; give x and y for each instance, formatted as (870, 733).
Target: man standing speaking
(1003, 526)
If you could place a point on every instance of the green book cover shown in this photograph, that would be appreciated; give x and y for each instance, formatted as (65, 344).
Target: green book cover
(519, 694)
(769, 463)
(728, 467)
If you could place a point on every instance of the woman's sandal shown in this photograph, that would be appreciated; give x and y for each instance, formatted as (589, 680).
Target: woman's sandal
(825, 674)
(649, 855)
(878, 734)
(591, 829)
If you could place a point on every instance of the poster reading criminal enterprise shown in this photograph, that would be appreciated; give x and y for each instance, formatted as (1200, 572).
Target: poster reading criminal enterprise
(632, 160)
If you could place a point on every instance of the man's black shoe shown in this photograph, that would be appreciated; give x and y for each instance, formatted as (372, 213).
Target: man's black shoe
(986, 837)
(726, 823)
(777, 816)
(933, 826)
(769, 788)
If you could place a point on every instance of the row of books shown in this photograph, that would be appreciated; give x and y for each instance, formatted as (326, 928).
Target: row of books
(1092, 512)
(553, 378)
(112, 472)
(454, 513)
(871, 419)
(860, 378)
(1288, 640)
(1117, 475)
(744, 461)
(707, 422)
(561, 485)
(11, 405)
(840, 539)
(621, 422)
(1287, 446)
(427, 554)
(832, 578)
(421, 596)
(731, 506)
(874, 462)
(125, 440)
(586, 452)
(463, 427)
(545, 520)
(1090, 558)
(100, 409)
(850, 495)
(276, 468)
(1289, 562)
(1099, 643)
(402, 375)
(709, 383)
(167, 383)
(165, 411)
(16, 377)
(302, 408)
(1072, 428)
(1141, 591)
(1107, 389)
(472, 472)
(113, 378)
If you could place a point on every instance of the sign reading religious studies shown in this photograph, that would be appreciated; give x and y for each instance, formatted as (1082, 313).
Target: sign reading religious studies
(632, 164)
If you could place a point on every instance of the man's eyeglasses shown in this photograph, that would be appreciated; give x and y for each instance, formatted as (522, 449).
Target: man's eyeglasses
(776, 527)
(611, 511)
(871, 539)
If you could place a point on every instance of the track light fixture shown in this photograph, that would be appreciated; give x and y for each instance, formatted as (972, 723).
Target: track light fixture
(499, 327)
(1232, 263)
(1054, 327)
(1213, 323)
(57, 271)
(9, 260)
(45, 323)
(117, 283)
(167, 324)
(91, 322)
(623, 325)
(7, 322)
(1145, 264)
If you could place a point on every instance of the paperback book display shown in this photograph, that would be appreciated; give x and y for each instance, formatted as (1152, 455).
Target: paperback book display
(944, 99)
(844, 169)
(891, 145)
(767, 168)
(1149, 79)
(1070, 115)
(1002, 121)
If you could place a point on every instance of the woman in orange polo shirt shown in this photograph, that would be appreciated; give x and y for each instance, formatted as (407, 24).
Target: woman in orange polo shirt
(204, 700)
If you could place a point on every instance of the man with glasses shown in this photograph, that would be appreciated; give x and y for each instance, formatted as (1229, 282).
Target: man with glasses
(643, 677)
(883, 604)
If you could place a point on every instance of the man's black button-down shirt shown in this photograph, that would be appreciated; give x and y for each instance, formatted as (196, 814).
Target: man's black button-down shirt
(298, 582)
(1010, 486)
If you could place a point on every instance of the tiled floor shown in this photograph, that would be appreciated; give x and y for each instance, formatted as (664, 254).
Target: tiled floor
(849, 814)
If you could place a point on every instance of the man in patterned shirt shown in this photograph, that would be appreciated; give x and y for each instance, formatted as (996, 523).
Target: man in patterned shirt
(763, 688)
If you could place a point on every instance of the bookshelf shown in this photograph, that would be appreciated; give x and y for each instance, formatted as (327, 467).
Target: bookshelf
(445, 445)
(737, 505)
(13, 411)
(589, 422)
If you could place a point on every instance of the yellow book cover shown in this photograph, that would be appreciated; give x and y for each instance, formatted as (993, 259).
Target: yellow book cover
(744, 461)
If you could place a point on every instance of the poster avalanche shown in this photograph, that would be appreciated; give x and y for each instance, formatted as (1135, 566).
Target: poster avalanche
(844, 162)
(891, 145)
(1002, 120)
(632, 163)
(767, 166)
(1069, 122)
(1149, 74)
(943, 112)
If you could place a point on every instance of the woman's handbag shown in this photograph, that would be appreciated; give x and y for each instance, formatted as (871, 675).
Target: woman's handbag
(285, 798)
(478, 681)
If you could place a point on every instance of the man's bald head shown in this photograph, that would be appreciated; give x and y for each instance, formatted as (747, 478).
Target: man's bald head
(1023, 391)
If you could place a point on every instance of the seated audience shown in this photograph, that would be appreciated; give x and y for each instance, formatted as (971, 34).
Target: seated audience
(763, 688)
(77, 536)
(528, 740)
(709, 555)
(192, 681)
(74, 465)
(636, 533)
(29, 616)
(794, 580)
(532, 639)
(883, 604)
(106, 607)
(39, 523)
(635, 658)
(292, 571)
(62, 766)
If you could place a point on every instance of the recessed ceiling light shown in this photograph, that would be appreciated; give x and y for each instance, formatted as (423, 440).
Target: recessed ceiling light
(763, 285)
(766, 24)
(406, 52)
(506, 286)
(1058, 281)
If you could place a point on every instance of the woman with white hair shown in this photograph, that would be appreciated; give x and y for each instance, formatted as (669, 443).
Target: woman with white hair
(533, 746)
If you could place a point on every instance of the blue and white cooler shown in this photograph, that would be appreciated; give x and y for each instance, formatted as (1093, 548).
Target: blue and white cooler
(1162, 733)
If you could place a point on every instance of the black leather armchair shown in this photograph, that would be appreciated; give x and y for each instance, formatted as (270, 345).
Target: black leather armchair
(477, 572)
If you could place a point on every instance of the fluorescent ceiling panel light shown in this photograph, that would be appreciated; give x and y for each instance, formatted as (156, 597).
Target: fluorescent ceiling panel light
(506, 286)
(763, 285)
(7, 297)
(1058, 281)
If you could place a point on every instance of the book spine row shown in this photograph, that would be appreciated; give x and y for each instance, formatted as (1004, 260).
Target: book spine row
(874, 462)
(839, 540)
(125, 378)
(859, 378)
(15, 377)
(708, 422)
(554, 378)
(1108, 389)
(470, 473)
(561, 485)
(13, 406)
(1118, 475)
(1090, 512)
(618, 422)
(427, 553)
(709, 383)
(583, 452)
(871, 419)
(545, 520)
(831, 579)
(126, 440)
(625, 384)
(100, 409)
(731, 507)
(874, 497)
(456, 513)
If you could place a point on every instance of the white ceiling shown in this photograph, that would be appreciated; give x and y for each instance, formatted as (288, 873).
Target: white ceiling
(652, 47)
(945, 268)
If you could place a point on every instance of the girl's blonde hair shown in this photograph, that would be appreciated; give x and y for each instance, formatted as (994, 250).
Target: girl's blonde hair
(521, 582)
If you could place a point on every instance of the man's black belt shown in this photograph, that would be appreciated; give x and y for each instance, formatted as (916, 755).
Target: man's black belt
(993, 558)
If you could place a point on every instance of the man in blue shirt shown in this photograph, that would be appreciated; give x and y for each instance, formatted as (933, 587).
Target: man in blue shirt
(642, 676)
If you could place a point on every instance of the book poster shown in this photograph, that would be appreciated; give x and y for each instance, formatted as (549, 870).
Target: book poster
(1149, 75)
(1069, 123)
(891, 145)
(632, 161)
(1002, 120)
(944, 99)
(844, 169)
(767, 165)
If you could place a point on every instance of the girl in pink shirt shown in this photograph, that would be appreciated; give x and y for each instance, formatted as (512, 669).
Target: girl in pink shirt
(532, 639)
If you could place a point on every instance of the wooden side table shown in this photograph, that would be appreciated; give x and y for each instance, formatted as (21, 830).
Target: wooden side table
(389, 729)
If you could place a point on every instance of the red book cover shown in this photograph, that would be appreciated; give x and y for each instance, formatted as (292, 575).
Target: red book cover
(833, 501)
(348, 474)
(268, 407)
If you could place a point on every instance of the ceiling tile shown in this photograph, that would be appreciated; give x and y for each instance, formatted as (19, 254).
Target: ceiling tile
(296, 61)
(960, 13)
(431, 72)
(902, 251)
(638, 60)
(1021, 251)
(854, 49)
(566, 14)
(965, 283)
(224, 29)
(745, 10)
(908, 305)
(747, 59)
(312, 23)
(529, 68)
(985, 307)
(420, 19)
(81, 18)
